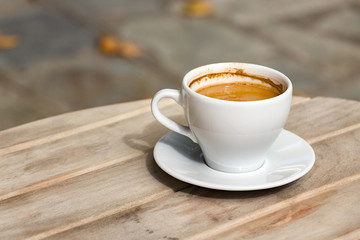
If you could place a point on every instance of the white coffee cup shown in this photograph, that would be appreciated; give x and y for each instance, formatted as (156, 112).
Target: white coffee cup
(234, 136)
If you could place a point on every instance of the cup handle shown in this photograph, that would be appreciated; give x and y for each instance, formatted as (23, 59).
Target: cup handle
(176, 127)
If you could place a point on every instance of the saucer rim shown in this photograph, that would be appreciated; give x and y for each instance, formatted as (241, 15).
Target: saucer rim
(217, 186)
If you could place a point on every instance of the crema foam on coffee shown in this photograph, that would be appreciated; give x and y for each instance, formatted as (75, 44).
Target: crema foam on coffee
(227, 86)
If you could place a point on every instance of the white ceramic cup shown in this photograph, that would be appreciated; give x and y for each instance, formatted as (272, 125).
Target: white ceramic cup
(234, 136)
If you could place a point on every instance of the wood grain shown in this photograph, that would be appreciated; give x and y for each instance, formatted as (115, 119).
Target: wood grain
(65, 125)
(298, 99)
(321, 116)
(324, 216)
(64, 122)
(50, 162)
(350, 235)
(98, 139)
(27, 163)
(201, 213)
(97, 179)
(84, 199)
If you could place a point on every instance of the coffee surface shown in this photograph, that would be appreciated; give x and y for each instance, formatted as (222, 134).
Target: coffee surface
(239, 91)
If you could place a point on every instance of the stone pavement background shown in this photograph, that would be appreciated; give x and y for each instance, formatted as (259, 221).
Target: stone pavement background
(57, 68)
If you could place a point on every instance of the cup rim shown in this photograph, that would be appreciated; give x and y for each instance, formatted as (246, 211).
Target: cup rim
(189, 75)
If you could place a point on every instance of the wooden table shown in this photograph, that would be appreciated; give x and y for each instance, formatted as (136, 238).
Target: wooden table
(91, 175)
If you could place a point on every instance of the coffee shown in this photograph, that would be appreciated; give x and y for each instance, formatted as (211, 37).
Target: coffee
(239, 91)
(236, 86)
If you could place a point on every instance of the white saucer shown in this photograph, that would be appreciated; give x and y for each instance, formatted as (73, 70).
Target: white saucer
(289, 158)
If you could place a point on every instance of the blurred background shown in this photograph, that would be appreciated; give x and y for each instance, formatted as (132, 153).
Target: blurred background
(58, 56)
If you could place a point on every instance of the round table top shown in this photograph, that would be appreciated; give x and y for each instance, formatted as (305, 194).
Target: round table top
(91, 175)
